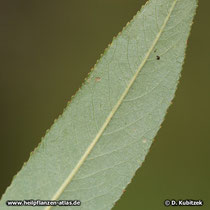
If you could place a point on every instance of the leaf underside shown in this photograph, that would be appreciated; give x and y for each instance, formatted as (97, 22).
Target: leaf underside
(93, 150)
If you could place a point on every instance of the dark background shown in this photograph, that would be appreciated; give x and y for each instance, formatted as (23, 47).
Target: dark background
(47, 49)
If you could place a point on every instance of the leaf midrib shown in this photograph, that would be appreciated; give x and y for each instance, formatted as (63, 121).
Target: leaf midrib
(113, 111)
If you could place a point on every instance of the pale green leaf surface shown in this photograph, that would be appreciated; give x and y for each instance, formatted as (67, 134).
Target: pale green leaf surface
(93, 150)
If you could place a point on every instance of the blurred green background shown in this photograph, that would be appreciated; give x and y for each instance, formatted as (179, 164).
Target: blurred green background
(47, 49)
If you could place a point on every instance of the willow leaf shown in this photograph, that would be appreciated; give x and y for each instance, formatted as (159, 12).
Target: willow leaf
(93, 150)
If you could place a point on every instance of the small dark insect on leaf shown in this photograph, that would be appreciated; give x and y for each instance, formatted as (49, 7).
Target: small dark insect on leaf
(158, 57)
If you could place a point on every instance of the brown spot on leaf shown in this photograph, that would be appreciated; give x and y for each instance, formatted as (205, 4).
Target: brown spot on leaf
(98, 79)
